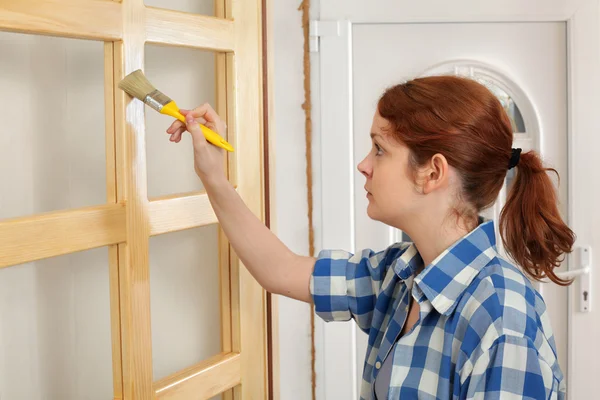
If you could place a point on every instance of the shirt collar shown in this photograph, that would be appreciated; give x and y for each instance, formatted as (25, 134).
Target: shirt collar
(446, 278)
(408, 263)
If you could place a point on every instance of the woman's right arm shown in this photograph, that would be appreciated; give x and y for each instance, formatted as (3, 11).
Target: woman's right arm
(273, 265)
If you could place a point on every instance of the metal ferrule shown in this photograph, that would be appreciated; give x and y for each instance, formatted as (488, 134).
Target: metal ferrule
(157, 100)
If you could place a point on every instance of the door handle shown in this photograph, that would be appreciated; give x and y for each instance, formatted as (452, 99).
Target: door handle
(574, 273)
(583, 272)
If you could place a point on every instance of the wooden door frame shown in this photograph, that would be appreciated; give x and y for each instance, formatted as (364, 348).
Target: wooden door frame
(269, 193)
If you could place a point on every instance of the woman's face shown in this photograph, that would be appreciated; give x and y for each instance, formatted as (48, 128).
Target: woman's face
(389, 181)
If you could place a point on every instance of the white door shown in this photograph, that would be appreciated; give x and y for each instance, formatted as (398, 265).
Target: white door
(516, 59)
(525, 62)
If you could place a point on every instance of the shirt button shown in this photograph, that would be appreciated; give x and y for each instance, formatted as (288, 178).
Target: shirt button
(377, 365)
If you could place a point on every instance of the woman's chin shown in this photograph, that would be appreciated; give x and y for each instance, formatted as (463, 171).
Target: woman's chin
(372, 212)
(376, 215)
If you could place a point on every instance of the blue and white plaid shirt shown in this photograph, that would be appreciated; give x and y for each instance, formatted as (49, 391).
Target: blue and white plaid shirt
(483, 330)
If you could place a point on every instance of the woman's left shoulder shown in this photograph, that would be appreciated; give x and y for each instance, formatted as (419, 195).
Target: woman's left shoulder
(503, 300)
(502, 313)
(504, 281)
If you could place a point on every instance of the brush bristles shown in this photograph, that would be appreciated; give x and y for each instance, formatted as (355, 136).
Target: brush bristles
(137, 85)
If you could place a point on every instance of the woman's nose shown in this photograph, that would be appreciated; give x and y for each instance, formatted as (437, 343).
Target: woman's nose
(364, 167)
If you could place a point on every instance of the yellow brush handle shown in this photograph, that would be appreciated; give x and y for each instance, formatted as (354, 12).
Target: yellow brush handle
(210, 135)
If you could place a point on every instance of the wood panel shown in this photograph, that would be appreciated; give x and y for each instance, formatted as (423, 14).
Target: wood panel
(56, 233)
(270, 195)
(231, 114)
(248, 91)
(112, 197)
(175, 213)
(100, 20)
(224, 100)
(202, 381)
(189, 30)
(136, 337)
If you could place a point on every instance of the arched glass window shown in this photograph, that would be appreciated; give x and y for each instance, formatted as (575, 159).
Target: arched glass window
(511, 95)
(511, 108)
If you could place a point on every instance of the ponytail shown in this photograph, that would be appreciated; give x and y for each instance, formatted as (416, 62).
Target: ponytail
(531, 227)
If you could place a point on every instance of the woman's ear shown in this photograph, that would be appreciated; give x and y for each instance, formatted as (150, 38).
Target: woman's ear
(435, 174)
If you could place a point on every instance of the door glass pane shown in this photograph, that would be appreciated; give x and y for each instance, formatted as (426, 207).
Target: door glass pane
(185, 298)
(52, 136)
(55, 335)
(510, 179)
(508, 103)
(204, 7)
(188, 77)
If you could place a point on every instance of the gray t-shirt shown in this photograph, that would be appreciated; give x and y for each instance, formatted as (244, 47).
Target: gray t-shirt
(382, 383)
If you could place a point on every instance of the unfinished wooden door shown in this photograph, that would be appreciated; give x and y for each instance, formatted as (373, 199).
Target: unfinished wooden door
(115, 278)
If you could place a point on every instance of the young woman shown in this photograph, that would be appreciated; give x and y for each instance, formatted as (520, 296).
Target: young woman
(447, 316)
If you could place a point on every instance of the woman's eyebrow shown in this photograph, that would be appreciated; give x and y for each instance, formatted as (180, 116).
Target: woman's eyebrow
(381, 137)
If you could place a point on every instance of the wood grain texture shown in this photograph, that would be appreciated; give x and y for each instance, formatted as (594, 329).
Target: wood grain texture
(86, 19)
(56, 233)
(248, 92)
(225, 284)
(270, 208)
(222, 95)
(119, 102)
(109, 123)
(189, 30)
(112, 197)
(171, 214)
(231, 88)
(202, 381)
(236, 306)
(136, 335)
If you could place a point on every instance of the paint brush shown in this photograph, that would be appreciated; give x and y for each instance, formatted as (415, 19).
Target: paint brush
(137, 85)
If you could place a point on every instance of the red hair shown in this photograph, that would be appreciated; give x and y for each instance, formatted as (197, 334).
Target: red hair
(462, 120)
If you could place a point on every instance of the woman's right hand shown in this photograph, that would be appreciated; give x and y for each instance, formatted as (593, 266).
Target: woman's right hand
(208, 159)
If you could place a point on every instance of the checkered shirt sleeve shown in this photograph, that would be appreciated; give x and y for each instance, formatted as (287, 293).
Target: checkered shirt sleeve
(346, 285)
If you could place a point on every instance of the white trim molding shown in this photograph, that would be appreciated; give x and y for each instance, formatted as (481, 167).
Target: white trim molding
(407, 11)
(336, 182)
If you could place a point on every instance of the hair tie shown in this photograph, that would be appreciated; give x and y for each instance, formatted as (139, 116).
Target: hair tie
(514, 158)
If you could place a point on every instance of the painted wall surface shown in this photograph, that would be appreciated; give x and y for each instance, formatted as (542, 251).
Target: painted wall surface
(290, 186)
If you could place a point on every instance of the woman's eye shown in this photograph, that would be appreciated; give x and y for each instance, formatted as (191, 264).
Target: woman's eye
(379, 150)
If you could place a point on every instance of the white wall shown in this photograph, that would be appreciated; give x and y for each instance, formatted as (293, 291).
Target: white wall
(290, 186)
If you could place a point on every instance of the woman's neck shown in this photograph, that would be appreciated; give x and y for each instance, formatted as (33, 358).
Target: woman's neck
(432, 236)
